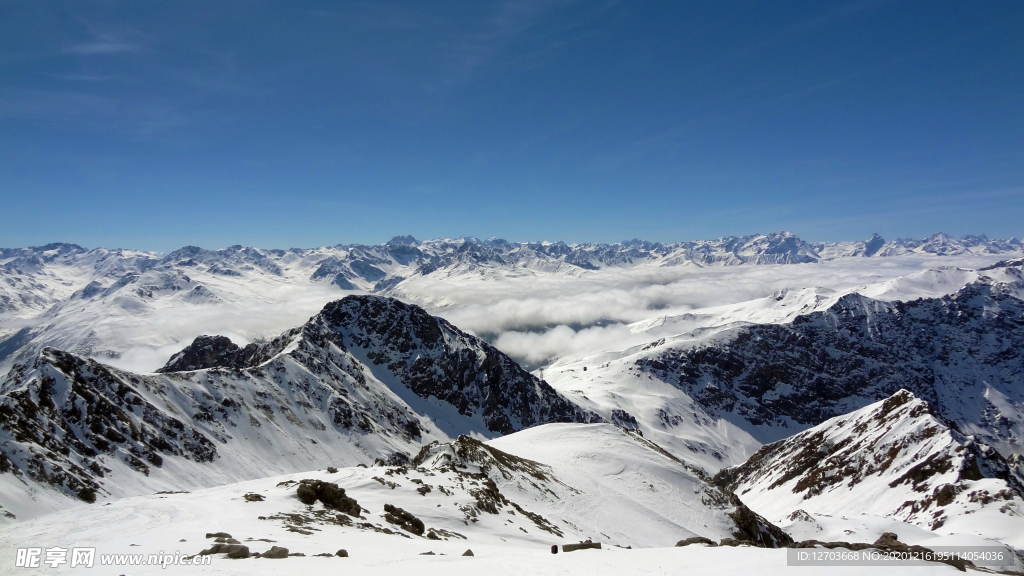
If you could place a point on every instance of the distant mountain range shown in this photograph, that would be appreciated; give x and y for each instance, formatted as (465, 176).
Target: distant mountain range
(33, 279)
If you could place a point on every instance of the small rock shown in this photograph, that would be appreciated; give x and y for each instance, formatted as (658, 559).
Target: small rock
(218, 535)
(467, 553)
(697, 540)
(887, 539)
(232, 550)
(554, 548)
(341, 553)
(236, 551)
(275, 552)
(332, 470)
(427, 554)
(581, 546)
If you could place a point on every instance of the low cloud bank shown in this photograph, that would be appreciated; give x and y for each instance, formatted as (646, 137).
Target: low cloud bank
(537, 318)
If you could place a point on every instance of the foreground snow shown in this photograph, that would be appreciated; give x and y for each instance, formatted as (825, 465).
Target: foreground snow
(385, 559)
(588, 481)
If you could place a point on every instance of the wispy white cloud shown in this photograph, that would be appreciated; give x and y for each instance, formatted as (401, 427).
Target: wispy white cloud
(73, 110)
(104, 46)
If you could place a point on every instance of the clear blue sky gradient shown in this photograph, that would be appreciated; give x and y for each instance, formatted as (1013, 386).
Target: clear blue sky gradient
(153, 125)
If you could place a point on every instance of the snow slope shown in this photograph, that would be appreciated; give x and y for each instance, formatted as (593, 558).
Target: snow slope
(893, 459)
(661, 412)
(465, 494)
(501, 505)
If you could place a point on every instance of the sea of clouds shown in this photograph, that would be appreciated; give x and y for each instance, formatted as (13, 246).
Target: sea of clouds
(542, 317)
(535, 317)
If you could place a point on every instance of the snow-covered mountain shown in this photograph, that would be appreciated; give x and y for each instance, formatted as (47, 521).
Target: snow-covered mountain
(962, 353)
(938, 244)
(895, 458)
(36, 278)
(368, 377)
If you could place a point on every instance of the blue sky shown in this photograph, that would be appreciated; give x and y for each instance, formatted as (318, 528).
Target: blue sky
(152, 125)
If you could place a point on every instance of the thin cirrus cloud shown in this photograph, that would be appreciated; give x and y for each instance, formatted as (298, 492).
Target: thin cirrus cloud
(72, 110)
(104, 47)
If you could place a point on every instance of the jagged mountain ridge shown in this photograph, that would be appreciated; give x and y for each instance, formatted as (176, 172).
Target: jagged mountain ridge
(963, 353)
(895, 458)
(36, 278)
(369, 377)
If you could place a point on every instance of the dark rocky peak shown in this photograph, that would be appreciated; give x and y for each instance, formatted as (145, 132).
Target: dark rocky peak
(220, 352)
(375, 321)
(186, 253)
(404, 250)
(435, 359)
(60, 249)
(204, 352)
(407, 240)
